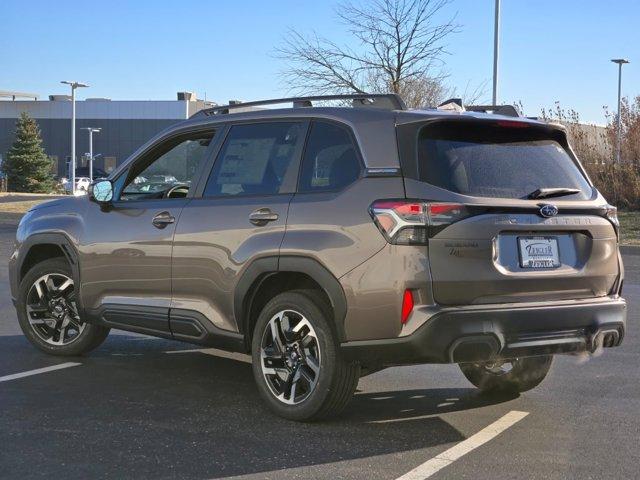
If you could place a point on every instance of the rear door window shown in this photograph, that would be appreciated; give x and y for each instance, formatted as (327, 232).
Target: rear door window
(491, 160)
(257, 159)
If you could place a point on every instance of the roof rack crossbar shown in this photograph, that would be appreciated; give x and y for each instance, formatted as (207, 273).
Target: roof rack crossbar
(393, 100)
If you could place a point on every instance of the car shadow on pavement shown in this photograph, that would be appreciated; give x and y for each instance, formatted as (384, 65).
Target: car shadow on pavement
(414, 405)
(131, 410)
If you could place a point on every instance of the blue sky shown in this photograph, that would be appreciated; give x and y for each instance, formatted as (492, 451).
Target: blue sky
(551, 50)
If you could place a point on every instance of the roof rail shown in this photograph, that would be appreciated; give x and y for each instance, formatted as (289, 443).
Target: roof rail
(389, 101)
(507, 110)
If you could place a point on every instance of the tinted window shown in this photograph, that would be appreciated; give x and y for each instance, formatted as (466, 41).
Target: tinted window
(331, 161)
(256, 159)
(496, 161)
(172, 164)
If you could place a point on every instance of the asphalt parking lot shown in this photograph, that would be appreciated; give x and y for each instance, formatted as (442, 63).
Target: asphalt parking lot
(132, 410)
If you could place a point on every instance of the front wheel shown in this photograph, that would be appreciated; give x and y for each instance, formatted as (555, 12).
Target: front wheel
(48, 314)
(515, 375)
(297, 365)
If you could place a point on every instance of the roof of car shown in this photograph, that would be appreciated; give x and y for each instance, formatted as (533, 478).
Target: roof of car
(357, 115)
(353, 108)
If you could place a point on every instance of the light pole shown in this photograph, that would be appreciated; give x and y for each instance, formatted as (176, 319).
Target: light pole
(496, 51)
(91, 131)
(620, 62)
(74, 85)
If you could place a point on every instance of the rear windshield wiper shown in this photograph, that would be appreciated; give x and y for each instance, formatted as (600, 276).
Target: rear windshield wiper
(553, 192)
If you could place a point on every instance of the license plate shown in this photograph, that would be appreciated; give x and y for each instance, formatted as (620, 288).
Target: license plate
(538, 252)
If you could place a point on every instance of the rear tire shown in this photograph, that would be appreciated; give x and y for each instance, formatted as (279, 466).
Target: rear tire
(525, 374)
(294, 344)
(47, 312)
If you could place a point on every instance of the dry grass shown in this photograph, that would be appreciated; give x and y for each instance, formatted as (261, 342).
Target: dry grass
(629, 228)
(19, 207)
(14, 205)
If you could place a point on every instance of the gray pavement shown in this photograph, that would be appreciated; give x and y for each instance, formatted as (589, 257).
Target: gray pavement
(130, 410)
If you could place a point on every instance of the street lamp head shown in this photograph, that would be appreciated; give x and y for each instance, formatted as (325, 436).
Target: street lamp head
(620, 61)
(74, 84)
(91, 129)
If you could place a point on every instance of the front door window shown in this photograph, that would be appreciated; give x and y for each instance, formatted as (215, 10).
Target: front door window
(169, 171)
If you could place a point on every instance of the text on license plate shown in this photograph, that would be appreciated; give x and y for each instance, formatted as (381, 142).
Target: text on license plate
(538, 252)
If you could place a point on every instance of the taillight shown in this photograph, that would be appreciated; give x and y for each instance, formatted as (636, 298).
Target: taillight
(445, 213)
(407, 306)
(405, 222)
(611, 213)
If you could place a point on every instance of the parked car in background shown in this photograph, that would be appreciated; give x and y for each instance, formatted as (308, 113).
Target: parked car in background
(82, 179)
(332, 242)
(82, 184)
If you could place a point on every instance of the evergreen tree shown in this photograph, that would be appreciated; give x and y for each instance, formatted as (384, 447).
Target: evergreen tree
(26, 166)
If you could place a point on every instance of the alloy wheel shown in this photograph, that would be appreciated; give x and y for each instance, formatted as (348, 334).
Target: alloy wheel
(51, 309)
(290, 357)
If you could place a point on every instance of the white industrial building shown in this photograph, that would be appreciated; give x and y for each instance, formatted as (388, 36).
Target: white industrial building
(124, 124)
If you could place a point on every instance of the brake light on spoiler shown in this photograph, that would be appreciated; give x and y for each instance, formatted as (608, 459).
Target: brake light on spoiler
(406, 222)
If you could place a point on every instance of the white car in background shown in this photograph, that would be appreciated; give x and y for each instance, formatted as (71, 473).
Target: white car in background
(82, 185)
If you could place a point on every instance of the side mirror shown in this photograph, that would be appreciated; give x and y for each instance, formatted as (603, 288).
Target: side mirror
(101, 192)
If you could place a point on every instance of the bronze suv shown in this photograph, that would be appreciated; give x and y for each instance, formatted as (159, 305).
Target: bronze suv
(332, 242)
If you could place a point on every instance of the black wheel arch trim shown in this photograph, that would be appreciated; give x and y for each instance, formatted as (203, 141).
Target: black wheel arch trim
(66, 246)
(261, 268)
(248, 284)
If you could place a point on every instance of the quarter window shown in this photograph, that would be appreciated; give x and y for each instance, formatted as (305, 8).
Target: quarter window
(331, 160)
(257, 159)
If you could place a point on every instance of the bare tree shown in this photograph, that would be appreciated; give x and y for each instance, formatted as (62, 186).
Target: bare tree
(399, 47)
(630, 123)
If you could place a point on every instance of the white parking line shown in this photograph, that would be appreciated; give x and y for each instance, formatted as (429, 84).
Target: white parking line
(447, 457)
(407, 419)
(28, 373)
(241, 357)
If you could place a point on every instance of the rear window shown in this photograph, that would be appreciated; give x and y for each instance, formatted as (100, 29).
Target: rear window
(496, 161)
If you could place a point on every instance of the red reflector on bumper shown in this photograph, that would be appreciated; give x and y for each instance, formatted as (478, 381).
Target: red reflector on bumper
(407, 306)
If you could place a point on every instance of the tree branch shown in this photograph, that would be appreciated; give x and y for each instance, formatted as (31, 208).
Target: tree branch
(398, 44)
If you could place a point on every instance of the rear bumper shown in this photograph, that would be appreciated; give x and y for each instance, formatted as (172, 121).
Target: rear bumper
(489, 332)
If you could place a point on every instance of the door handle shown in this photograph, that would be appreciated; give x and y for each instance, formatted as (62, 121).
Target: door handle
(262, 216)
(162, 219)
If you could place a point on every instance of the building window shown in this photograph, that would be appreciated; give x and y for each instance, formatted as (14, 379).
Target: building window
(109, 164)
